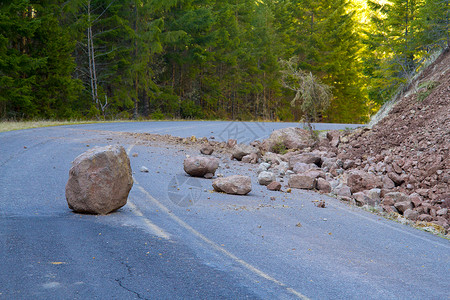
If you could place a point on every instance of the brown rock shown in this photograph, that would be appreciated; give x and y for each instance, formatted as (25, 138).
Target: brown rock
(425, 218)
(231, 143)
(388, 184)
(99, 180)
(241, 150)
(302, 182)
(360, 198)
(235, 185)
(274, 186)
(403, 206)
(397, 179)
(302, 167)
(415, 199)
(323, 185)
(411, 214)
(306, 158)
(333, 136)
(207, 150)
(359, 180)
(343, 191)
(251, 158)
(199, 166)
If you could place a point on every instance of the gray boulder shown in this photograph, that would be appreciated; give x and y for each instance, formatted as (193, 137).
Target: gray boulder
(300, 181)
(99, 180)
(199, 166)
(265, 178)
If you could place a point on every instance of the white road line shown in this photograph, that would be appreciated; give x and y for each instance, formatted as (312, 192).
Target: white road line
(158, 231)
(205, 239)
(219, 248)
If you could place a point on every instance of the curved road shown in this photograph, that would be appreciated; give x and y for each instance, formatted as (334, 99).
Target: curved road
(164, 245)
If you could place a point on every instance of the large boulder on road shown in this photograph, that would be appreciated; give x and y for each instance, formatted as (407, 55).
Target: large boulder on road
(99, 180)
(199, 166)
(235, 185)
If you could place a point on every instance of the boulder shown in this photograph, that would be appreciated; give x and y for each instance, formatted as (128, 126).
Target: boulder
(266, 177)
(302, 182)
(302, 167)
(199, 166)
(271, 158)
(323, 185)
(388, 184)
(394, 197)
(411, 214)
(207, 150)
(361, 198)
(99, 180)
(235, 185)
(306, 158)
(274, 186)
(251, 158)
(403, 206)
(291, 138)
(343, 190)
(359, 180)
(241, 150)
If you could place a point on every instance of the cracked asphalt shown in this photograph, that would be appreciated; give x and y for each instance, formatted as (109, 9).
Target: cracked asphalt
(164, 245)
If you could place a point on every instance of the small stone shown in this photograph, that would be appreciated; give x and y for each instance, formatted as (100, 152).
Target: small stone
(207, 150)
(209, 175)
(143, 169)
(266, 177)
(274, 186)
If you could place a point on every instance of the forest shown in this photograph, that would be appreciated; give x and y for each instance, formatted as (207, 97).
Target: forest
(209, 59)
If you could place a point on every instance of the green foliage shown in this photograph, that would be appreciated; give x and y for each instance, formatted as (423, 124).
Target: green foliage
(279, 148)
(209, 59)
(425, 89)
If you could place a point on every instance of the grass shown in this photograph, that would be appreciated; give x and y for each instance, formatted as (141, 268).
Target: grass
(19, 125)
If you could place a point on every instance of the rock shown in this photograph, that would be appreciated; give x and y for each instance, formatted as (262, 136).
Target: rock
(403, 206)
(291, 138)
(263, 167)
(315, 173)
(359, 180)
(209, 175)
(199, 166)
(343, 190)
(143, 169)
(231, 143)
(394, 197)
(207, 150)
(274, 186)
(348, 164)
(425, 218)
(388, 184)
(397, 179)
(374, 196)
(411, 214)
(415, 199)
(251, 158)
(333, 136)
(265, 178)
(271, 158)
(323, 185)
(235, 185)
(302, 167)
(442, 212)
(302, 182)
(99, 180)
(306, 158)
(241, 150)
(360, 199)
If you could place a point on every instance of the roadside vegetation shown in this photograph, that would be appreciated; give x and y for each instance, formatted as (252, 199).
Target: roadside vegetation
(155, 59)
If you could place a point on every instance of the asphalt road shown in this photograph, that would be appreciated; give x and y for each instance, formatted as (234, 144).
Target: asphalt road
(164, 245)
